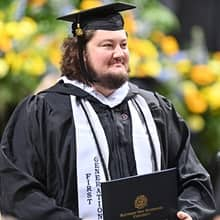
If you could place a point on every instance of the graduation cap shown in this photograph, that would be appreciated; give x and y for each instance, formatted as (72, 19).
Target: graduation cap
(105, 17)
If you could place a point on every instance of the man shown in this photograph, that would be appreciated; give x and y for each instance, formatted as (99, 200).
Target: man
(94, 115)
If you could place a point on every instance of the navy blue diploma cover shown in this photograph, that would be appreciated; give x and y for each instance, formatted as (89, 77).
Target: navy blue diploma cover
(145, 197)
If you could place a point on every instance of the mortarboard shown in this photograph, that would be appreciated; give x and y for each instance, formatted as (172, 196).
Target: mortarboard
(105, 17)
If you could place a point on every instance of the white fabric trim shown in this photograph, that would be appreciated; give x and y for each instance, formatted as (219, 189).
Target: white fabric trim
(90, 172)
(113, 100)
(141, 142)
(89, 168)
(152, 127)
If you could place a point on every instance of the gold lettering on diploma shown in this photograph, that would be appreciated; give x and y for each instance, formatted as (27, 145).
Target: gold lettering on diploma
(140, 213)
(140, 204)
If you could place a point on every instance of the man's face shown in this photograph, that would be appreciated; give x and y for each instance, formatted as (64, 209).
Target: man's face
(107, 58)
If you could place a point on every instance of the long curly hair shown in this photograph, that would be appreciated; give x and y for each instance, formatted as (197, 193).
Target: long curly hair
(70, 65)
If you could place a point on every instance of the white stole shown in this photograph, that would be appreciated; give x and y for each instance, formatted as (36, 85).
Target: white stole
(90, 172)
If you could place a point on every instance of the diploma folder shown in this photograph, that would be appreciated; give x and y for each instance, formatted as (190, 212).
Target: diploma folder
(144, 197)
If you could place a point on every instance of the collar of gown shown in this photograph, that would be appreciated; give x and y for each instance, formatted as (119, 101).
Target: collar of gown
(113, 100)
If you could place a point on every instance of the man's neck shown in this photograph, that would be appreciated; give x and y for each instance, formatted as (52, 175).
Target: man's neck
(104, 91)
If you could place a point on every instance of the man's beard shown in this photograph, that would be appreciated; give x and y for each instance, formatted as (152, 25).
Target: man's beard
(108, 80)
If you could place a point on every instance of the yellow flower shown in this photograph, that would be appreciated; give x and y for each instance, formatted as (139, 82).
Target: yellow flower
(195, 102)
(133, 61)
(5, 42)
(150, 68)
(28, 26)
(28, 61)
(196, 123)
(10, 57)
(37, 3)
(85, 4)
(143, 48)
(214, 65)
(34, 65)
(202, 75)
(55, 56)
(4, 67)
(183, 66)
(212, 94)
(1, 27)
(169, 45)
(157, 36)
(15, 61)
(130, 24)
(53, 46)
(22, 29)
(11, 28)
(188, 86)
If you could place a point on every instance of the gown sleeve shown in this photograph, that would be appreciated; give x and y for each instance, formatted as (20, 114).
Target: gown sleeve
(194, 184)
(23, 193)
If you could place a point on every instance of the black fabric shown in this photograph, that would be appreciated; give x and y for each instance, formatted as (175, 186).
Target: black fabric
(206, 17)
(117, 125)
(38, 158)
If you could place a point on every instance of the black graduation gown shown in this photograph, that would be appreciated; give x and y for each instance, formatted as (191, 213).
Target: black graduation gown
(38, 160)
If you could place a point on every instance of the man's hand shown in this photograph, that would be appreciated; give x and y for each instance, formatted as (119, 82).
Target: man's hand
(183, 216)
